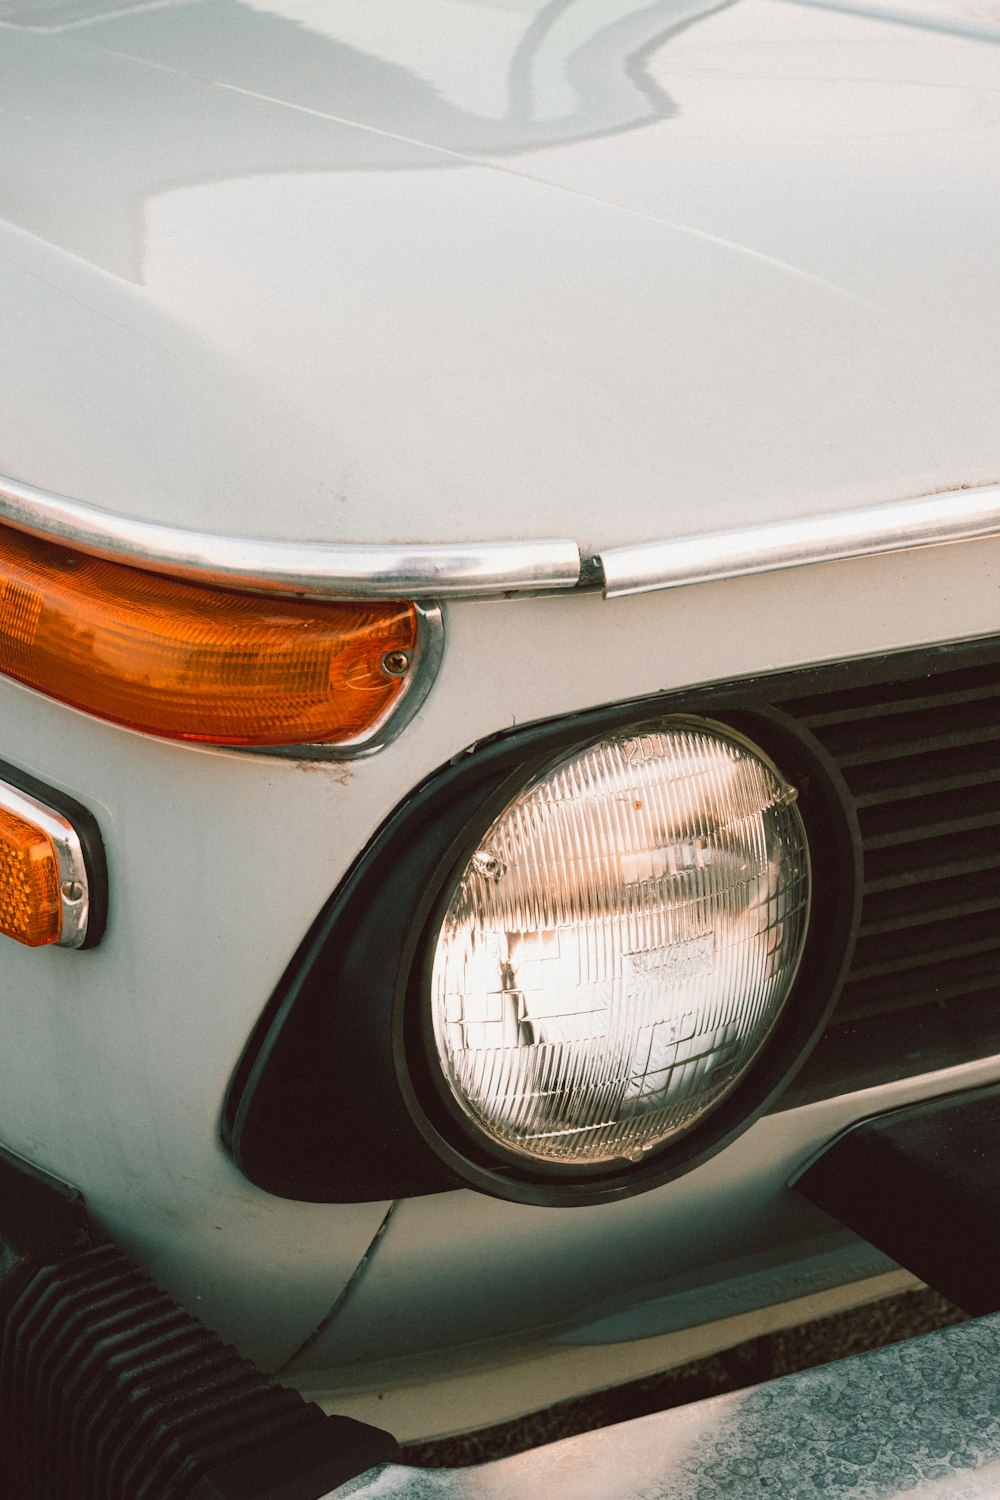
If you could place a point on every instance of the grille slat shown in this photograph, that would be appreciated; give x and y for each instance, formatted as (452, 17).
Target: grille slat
(926, 987)
(932, 859)
(888, 704)
(886, 781)
(877, 748)
(920, 756)
(935, 816)
(913, 948)
(907, 907)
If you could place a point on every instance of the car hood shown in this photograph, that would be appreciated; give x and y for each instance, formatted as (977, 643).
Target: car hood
(444, 270)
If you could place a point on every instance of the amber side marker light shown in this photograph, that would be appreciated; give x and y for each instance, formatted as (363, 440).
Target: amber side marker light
(192, 662)
(30, 908)
(52, 875)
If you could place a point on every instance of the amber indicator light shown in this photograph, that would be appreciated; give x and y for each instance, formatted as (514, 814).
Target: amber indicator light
(30, 908)
(191, 662)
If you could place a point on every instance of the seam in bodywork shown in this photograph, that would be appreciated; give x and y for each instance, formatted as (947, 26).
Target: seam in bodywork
(357, 1275)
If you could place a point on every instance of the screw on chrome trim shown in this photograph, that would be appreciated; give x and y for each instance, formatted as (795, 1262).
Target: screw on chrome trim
(71, 890)
(396, 663)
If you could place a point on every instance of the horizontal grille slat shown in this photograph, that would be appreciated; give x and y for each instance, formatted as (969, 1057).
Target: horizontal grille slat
(955, 812)
(920, 758)
(924, 703)
(908, 906)
(885, 781)
(932, 859)
(905, 692)
(909, 948)
(931, 734)
(922, 987)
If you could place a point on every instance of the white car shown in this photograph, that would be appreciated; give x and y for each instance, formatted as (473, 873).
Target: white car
(499, 537)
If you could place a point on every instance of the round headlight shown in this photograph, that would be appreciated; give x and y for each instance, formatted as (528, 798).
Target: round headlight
(616, 951)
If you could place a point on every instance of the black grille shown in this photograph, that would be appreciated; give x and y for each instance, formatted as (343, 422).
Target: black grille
(921, 758)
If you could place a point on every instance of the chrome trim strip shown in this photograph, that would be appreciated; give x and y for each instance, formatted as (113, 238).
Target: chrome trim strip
(482, 569)
(69, 854)
(952, 516)
(306, 569)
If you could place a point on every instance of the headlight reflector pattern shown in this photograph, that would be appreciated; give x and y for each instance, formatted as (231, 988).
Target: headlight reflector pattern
(619, 946)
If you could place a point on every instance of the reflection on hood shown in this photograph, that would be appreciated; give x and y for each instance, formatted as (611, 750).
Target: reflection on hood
(196, 86)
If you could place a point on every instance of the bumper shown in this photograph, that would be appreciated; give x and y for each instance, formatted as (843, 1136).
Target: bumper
(921, 1418)
(103, 1379)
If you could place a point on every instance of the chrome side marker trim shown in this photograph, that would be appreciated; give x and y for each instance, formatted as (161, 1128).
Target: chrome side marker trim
(307, 569)
(953, 516)
(74, 879)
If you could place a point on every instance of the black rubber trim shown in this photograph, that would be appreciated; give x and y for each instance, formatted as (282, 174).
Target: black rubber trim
(328, 1103)
(111, 1391)
(41, 1219)
(91, 844)
(921, 1185)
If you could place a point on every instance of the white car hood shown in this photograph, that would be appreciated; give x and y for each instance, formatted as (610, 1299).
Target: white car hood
(444, 270)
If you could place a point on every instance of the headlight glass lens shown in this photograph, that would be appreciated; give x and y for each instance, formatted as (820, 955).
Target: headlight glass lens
(620, 945)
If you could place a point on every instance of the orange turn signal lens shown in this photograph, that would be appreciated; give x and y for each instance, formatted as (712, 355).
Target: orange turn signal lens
(192, 662)
(30, 907)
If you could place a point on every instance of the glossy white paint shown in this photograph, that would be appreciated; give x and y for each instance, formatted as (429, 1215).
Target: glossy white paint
(568, 270)
(607, 272)
(116, 1060)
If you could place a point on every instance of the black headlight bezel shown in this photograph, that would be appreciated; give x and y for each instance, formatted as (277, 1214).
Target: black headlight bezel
(352, 1117)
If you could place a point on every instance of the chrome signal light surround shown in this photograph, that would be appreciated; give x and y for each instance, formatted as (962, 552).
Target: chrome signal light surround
(234, 670)
(418, 679)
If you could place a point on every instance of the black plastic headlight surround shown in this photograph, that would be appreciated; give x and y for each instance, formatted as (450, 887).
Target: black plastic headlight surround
(367, 1079)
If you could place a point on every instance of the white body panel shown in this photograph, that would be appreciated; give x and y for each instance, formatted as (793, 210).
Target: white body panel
(648, 265)
(701, 270)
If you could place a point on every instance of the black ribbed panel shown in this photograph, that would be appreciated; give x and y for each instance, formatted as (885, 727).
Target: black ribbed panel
(921, 757)
(110, 1391)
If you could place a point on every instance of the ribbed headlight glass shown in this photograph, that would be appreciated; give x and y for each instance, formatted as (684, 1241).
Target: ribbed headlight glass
(620, 944)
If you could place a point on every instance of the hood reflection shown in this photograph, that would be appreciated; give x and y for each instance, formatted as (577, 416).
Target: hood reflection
(463, 75)
(207, 91)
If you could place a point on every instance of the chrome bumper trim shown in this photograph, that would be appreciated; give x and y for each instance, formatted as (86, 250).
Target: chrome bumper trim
(952, 516)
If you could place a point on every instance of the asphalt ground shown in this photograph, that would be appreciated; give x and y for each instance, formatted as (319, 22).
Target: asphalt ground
(766, 1358)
